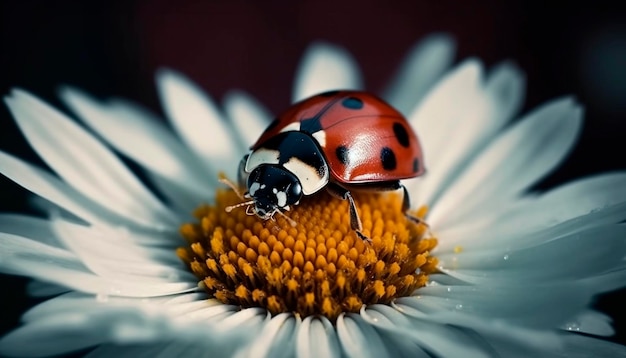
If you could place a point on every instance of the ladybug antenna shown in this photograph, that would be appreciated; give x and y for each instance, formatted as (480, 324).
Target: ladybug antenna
(245, 203)
(224, 180)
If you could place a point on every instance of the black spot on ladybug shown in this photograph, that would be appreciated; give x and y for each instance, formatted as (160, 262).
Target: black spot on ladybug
(342, 154)
(329, 93)
(416, 165)
(401, 134)
(352, 103)
(388, 158)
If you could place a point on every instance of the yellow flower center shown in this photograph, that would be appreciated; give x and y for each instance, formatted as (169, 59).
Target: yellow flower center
(318, 267)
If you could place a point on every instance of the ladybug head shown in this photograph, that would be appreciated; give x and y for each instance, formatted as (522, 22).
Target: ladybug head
(273, 188)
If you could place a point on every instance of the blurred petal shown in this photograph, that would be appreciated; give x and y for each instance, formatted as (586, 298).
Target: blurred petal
(121, 259)
(325, 67)
(521, 156)
(433, 337)
(249, 116)
(590, 322)
(602, 247)
(138, 134)
(51, 188)
(84, 162)
(579, 346)
(425, 63)
(71, 330)
(197, 120)
(28, 226)
(512, 304)
(506, 86)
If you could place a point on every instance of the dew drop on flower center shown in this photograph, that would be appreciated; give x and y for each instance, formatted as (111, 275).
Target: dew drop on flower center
(318, 267)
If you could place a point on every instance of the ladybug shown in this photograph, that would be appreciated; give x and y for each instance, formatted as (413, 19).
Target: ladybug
(339, 141)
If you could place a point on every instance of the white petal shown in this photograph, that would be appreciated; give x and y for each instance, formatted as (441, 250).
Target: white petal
(208, 313)
(505, 86)
(441, 340)
(317, 338)
(606, 282)
(568, 201)
(579, 346)
(115, 259)
(248, 115)
(399, 346)
(31, 227)
(43, 289)
(17, 252)
(442, 108)
(56, 335)
(131, 351)
(190, 302)
(423, 66)
(519, 305)
(178, 349)
(515, 160)
(488, 110)
(72, 330)
(507, 238)
(181, 198)
(84, 162)
(325, 67)
(590, 322)
(22, 256)
(54, 190)
(457, 100)
(503, 336)
(248, 316)
(276, 339)
(358, 338)
(141, 136)
(197, 120)
(602, 248)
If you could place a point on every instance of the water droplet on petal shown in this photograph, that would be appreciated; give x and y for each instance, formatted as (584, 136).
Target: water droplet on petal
(573, 326)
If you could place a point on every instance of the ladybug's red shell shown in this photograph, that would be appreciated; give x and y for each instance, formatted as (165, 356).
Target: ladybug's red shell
(363, 138)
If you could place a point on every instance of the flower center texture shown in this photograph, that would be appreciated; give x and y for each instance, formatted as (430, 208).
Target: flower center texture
(317, 267)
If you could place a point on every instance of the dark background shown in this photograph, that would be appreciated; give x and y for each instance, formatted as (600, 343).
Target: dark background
(113, 48)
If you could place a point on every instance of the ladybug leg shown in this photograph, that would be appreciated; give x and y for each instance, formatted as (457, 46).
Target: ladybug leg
(355, 222)
(406, 205)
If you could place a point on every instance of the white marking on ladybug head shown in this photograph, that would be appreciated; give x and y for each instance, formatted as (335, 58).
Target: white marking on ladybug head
(281, 197)
(320, 137)
(311, 179)
(253, 188)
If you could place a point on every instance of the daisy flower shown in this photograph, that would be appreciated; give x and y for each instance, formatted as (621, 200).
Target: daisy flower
(157, 266)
